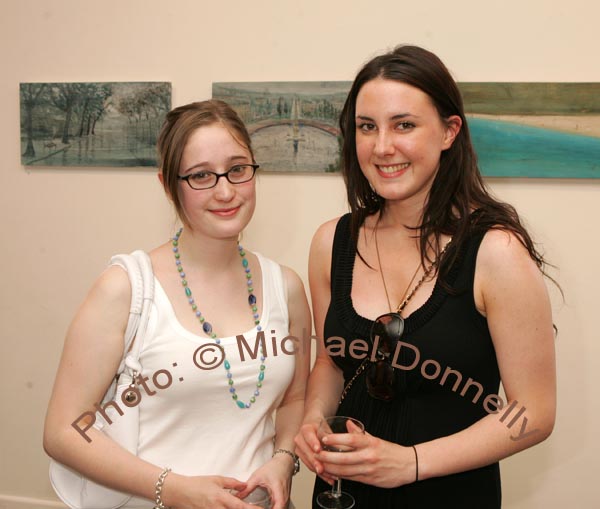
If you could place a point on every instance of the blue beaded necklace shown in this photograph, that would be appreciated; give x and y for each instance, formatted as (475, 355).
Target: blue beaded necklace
(207, 327)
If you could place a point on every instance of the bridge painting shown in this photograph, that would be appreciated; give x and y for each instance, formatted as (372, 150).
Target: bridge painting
(293, 125)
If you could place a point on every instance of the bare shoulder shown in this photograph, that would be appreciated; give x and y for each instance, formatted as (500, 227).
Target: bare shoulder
(505, 270)
(112, 286)
(299, 312)
(323, 237)
(502, 251)
(292, 280)
(96, 332)
(321, 247)
(296, 294)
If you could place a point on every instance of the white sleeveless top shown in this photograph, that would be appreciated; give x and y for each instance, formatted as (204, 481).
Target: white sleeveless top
(193, 425)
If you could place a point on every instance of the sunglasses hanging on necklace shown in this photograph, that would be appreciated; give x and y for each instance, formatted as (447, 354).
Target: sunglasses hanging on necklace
(388, 329)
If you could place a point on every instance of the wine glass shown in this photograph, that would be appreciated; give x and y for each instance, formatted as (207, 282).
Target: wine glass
(260, 497)
(336, 498)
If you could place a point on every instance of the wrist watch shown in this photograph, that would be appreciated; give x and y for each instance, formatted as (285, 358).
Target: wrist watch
(294, 457)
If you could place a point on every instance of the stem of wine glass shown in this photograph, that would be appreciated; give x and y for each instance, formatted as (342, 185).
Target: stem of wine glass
(336, 489)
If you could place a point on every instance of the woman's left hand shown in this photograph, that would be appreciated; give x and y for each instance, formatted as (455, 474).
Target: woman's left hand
(276, 476)
(371, 461)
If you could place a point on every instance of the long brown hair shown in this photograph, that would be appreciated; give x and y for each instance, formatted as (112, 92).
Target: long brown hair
(458, 188)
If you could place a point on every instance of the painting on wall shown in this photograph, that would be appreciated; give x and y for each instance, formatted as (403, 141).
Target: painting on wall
(293, 125)
(92, 124)
(535, 129)
(549, 130)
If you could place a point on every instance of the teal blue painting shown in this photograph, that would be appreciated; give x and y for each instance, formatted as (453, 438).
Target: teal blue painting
(535, 130)
(545, 130)
(508, 149)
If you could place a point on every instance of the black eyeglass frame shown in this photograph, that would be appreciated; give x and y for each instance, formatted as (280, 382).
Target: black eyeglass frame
(380, 375)
(219, 175)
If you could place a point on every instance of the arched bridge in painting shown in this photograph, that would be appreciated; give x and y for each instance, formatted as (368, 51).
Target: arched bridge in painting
(263, 124)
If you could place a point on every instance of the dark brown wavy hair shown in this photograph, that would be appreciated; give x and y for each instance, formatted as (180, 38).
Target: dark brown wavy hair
(177, 128)
(459, 203)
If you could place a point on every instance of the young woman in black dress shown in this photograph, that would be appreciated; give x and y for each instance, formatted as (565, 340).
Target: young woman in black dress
(428, 295)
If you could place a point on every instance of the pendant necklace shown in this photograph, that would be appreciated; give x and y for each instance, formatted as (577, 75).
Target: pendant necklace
(405, 298)
(207, 327)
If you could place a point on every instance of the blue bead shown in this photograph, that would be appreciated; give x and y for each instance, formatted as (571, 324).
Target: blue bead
(247, 405)
(177, 262)
(229, 375)
(198, 313)
(249, 282)
(251, 299)
(258, 327)
(256, 393)
(218, 341)
(232, 390)
(175, 249)
(255, 316)
(262, 358)
(182, 274)
(247, 271)
(207, 327)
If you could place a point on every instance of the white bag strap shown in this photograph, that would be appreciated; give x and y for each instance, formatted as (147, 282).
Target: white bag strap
(141, 278)
(147, 297)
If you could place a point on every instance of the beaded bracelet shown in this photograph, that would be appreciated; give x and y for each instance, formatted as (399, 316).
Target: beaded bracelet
(158, 489)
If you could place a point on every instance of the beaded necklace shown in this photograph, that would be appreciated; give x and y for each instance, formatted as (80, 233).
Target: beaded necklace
(207, 327)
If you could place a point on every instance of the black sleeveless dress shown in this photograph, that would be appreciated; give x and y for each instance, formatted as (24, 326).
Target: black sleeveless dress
(441, 395)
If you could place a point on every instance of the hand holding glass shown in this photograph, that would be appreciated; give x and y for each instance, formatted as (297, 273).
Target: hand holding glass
(260, 497)
(336, 498)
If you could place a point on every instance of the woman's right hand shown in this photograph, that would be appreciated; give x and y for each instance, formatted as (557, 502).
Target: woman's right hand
(202, 492)
(308, 445)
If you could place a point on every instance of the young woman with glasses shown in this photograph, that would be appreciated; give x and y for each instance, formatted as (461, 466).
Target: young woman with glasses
(427, 296)
(212, 431)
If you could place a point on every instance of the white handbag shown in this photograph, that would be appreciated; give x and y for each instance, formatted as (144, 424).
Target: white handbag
(72, 488)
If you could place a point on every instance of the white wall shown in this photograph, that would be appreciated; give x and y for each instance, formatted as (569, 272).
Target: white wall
(61, 225)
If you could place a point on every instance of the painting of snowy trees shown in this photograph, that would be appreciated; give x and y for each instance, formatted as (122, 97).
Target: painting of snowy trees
(92, 124)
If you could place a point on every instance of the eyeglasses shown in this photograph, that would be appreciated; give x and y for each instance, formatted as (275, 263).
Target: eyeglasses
(237, 174)
(388, 329)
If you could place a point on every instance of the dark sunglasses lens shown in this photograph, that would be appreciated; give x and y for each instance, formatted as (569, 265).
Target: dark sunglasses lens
(380, 381)
(392, 323)
(389, 328)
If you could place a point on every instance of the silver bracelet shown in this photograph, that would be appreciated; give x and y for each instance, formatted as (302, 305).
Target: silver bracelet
(158, 489)
(294, 457)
